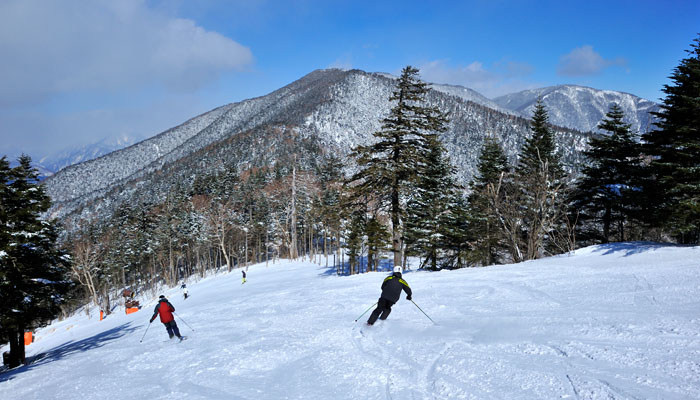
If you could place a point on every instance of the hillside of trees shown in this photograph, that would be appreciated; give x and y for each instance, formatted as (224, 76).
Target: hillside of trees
(402, 199)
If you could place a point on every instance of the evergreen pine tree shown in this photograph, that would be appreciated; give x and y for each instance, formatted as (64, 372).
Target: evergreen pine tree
(387, 168)
(456, 231)
(33, 271)
(485, 226)
(5, 195)
(330, 177)
(539, 177)
(377, 241)
(540, 147)
(675, 151)
(605, 194)
(433, 198)
(354, 239)
(125, 249)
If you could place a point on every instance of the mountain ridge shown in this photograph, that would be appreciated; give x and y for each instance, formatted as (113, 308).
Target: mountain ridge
(518, 104)
(581, 107)
(335, 109)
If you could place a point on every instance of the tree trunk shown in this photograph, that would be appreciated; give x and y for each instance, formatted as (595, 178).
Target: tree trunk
(395, 226)
(293, 242)
(222, 247)
(606, 223)
(267, 246)
(325, 246)
(312, 254)
(107, 307)
(171, 268)
(370, 259)
(256, 250)
(337, 249)
(17, 355)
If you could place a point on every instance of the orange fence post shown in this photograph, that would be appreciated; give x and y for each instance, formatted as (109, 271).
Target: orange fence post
(102, 315)
(28, 338)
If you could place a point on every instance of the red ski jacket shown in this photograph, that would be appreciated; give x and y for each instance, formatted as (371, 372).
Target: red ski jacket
(165, 309)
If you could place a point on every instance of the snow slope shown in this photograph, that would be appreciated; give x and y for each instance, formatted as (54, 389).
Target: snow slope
(618, 321)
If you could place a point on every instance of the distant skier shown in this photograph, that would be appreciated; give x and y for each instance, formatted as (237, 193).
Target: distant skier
(243, 272)
(184, 290)
(391, 292)
(166, 310)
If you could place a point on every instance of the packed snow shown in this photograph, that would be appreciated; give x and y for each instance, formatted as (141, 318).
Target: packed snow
(619, 321)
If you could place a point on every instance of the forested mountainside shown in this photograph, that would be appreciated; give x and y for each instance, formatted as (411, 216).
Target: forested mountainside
(327, 111)
(580, 107)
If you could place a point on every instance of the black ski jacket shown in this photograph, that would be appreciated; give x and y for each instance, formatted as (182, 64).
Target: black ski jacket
(392, 286)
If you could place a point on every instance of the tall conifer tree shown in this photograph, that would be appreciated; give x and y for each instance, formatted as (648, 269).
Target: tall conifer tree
(33, 271)
(387, 168)
(540, 147)
(539, 175)
(485, 226)
(457, 232)
(427, 210)
(675, 151)
(605, 194)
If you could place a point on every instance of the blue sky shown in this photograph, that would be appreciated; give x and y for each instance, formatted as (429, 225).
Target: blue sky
(76, 72)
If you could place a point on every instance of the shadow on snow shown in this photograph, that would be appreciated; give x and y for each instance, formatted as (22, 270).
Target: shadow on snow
(630, 248)
(67, 349)
(343, 269)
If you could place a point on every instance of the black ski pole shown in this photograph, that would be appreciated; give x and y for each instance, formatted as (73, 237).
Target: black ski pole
(366, 311)
(144, 334)
(188, 325)
(431, 320)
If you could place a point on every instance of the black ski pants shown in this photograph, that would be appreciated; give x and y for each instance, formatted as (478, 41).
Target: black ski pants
(382, 311)
(172, 329)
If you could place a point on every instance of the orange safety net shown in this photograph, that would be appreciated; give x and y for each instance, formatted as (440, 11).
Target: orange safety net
(132, 310)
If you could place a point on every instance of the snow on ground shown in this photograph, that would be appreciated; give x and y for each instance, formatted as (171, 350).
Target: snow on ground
(618, 321)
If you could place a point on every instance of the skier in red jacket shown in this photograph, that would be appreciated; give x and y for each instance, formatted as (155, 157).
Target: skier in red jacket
(166, 310)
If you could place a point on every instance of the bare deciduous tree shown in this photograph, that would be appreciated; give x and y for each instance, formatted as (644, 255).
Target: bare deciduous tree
(88, 252)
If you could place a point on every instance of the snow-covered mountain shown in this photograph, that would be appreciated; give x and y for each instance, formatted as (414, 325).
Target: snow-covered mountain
(325, 111)
(465, 94)
(580, 107)
(616, 321)
(50, 164)
(473, 96)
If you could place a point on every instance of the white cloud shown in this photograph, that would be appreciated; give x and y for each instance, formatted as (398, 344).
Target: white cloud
(56, 47)
(503, 78)
(584, 61)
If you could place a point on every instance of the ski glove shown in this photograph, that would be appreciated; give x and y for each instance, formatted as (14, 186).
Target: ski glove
(408, 298)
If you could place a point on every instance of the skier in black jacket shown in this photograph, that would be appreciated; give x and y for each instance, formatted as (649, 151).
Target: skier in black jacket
(391, 292)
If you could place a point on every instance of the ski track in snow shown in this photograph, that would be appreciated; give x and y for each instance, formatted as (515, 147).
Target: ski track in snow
(608, 322)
